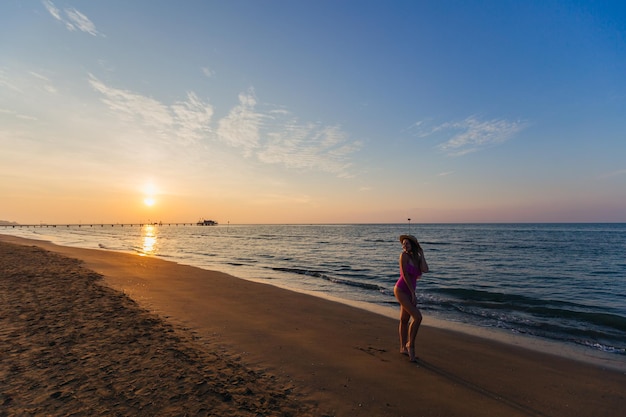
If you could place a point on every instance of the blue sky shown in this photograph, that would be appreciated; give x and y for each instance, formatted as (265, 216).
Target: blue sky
(312, 111)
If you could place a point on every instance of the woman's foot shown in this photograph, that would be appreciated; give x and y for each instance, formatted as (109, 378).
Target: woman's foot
(410, 350)
(404, 350)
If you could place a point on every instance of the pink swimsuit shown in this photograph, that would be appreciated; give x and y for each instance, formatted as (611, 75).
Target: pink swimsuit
(414, 275)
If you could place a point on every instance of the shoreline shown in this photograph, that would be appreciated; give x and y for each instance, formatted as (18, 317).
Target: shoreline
(542, 345)
(345, 359)
(556, 328)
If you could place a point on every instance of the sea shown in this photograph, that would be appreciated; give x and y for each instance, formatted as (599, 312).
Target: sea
(562, 283)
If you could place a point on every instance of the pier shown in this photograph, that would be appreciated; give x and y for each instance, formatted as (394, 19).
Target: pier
(67, 225)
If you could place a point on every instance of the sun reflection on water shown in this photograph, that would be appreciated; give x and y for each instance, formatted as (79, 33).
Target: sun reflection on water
(149, 237)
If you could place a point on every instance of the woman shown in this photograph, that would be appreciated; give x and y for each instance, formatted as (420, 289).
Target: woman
(412, 266)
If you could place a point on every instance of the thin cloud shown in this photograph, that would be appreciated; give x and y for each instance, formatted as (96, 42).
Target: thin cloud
(273, 199)
(6, 83)
(17, 115)
(81, 22)
(133, 106)
(418, 129)
(310, 146)
(415, 126)
(188, 121)
(240, 128)
(192, 117)
(276, 137)
(469, 135)
(52, 9)
(281, 112)
(48, 87)
(37, 75)
(473, 134)
(72, 19)
(612, 174)
(208, 72)
(271, 136)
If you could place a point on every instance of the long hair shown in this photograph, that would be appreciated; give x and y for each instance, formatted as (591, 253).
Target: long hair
(415, 255)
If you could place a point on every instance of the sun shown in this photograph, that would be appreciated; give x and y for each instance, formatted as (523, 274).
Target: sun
(149, 191)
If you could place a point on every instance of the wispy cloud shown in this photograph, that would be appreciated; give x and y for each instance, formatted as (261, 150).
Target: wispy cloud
(470, 135)
(612, 174)
(37, 75)
(52, 9)
(281, 199)
(5, 82)
(240, 128)
(187, 121)
(274, 136)
(71, 18)
(47, 86)
(271, 136)
(473, 134)
(133, 106)
(192, 117)
(81, 22)
(17, 115)
(310, 146)
(208, 72)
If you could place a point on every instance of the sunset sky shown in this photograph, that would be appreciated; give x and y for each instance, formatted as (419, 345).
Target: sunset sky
(325, 111)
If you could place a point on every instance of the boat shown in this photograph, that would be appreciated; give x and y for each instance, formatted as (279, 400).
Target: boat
(203, 222)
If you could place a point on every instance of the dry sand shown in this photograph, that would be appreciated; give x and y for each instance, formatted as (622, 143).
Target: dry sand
(162, 339)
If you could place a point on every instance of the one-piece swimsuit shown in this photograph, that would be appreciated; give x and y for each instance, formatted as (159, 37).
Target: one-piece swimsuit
(414, 274)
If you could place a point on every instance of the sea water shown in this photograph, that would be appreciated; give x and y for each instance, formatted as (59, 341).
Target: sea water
(558, 282)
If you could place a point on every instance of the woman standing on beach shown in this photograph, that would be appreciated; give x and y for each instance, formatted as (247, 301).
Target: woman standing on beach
(412, 266)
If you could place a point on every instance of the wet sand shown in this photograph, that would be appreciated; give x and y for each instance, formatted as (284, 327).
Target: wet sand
(121, 334)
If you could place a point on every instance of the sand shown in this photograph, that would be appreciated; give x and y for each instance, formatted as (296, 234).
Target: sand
(90, 332)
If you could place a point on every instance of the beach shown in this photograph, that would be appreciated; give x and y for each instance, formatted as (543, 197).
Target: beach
(93, 332)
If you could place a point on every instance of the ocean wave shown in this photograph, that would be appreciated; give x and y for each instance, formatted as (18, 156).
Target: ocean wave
(552, 309)
(335, 280)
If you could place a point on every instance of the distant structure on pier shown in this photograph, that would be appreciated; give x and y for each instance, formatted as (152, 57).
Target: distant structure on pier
(203, 222)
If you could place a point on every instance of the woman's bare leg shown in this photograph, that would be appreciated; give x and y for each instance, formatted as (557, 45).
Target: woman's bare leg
(407, 307)
(414, 328)
(403, 330)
